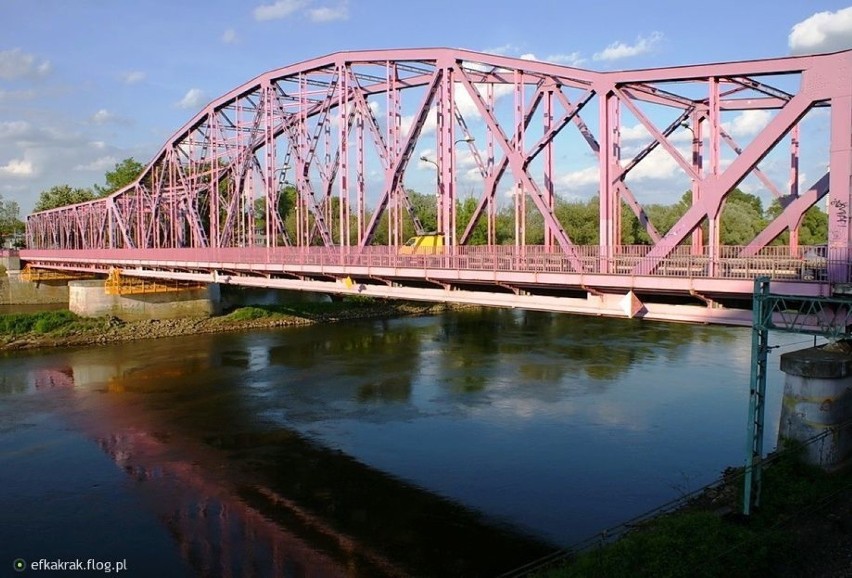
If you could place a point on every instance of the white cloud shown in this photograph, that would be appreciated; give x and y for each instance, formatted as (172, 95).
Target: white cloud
(634, 133)
(37, 156)
(133, 77)
(822, 32)
(618, 50)
(98, 165)
(748, 123)
(580, 179)
(502, 50)
(9, 95)
(464, 102)
(14, 129)
(229, 36)
(637, 134)
(429, 125)
(570, 59)
(193, 99)
(103, 116)
(16, 64)
(17, 168)
(280, 9)
(326, 14)
(658, 165)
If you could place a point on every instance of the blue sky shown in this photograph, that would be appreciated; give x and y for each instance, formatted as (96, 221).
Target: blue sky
(87, 83)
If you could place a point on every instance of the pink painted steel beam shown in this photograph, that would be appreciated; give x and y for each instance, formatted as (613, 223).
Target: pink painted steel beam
(200, 189)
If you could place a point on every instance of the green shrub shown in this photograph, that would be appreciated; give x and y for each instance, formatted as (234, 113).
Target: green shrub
(44, 322)
(249, 314)
(53, 320)
(16, 324)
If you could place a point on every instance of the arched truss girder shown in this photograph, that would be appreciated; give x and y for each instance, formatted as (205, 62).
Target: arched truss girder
(343, 128)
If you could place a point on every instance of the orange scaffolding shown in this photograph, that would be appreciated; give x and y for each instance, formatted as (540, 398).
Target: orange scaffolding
(118, 284)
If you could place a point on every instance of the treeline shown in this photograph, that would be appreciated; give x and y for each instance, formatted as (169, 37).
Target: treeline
(743, 218)
(743, 215)
(123, 174)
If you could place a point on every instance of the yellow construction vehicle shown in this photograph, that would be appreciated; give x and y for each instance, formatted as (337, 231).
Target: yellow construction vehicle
(425, 244)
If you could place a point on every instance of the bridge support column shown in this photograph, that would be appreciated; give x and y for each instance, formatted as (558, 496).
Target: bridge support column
(14, 290)
(818, 400)
(89, 299)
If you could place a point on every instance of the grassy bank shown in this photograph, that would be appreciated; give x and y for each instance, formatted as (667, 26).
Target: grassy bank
(799, 530)
(63, 328)
(46, 323)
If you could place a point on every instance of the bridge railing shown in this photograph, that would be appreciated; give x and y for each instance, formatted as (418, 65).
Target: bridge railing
(807, 263)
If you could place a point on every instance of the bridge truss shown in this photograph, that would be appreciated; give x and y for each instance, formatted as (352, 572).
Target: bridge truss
(316, 155)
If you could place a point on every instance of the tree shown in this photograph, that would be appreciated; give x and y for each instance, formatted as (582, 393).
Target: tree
(740, 222)
(741, 197)
(581, 220)
(62, 195)
(10, 219)
(122, 175)
(813, 230)
(464, 212)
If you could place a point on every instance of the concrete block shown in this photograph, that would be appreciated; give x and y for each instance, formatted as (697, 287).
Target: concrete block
(818, 400)
(88, 299)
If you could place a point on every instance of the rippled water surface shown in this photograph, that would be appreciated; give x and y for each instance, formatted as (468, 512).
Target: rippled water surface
(463, 444)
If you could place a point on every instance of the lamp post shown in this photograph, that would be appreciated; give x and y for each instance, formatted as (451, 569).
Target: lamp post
(272, 203)
(697, 234)
(446, 205)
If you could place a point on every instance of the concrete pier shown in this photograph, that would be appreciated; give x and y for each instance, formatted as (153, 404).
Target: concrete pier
(16, 291)
(818, 399)
(89, 299)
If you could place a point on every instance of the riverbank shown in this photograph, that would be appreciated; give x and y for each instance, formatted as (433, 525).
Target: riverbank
(64, 329)
(803, 529)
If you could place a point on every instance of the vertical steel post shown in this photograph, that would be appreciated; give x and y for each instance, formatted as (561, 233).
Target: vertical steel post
(714, 228)
(840, 187)
(490, 182)
(548, 163)
(697, 162)
(270, 185)
(761, 319)
(794, 186)
(608, 203)
(360, 181)
(520, 194)
(343, 156)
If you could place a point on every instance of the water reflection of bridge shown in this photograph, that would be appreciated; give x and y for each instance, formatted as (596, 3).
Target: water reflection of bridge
(270, 503)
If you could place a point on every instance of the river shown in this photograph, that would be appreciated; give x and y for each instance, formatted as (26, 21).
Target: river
(461, 444)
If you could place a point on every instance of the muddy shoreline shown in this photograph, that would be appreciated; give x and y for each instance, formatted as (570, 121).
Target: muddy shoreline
(113, 330)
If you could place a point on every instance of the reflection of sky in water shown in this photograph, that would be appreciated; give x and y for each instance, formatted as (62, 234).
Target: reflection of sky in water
(562, 425)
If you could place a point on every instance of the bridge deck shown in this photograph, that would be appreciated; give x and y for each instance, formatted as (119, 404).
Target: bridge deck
(682, 288)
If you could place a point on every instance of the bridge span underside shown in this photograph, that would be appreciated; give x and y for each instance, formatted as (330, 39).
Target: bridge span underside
(530, 278)
(302, 178)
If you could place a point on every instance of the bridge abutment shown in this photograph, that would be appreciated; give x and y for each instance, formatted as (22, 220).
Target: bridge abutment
(89, 299)
(16, 290)
(818, 400)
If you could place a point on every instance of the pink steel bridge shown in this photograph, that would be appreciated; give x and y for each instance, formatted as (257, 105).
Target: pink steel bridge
(209, 206)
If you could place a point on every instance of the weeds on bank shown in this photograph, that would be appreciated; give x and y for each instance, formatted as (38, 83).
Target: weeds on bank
(57, 323)
(15, 325)
(300, 309)
(695, 542)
